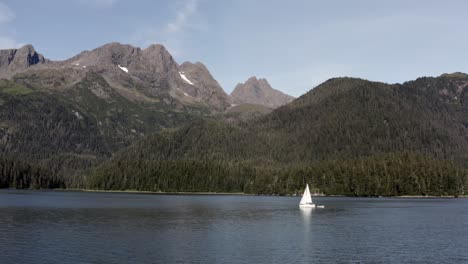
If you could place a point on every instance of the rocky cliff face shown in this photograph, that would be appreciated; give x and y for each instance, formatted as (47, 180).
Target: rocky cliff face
(202, 85)
(119, 58)
(150, 71)
(259, 91)
(17, 60)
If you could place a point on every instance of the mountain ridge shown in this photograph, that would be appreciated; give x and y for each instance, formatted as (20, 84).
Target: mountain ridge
(152, 71)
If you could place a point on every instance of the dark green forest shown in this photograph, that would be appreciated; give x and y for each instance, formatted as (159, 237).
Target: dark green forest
(383, 175)
(345, 137)
(21, 175)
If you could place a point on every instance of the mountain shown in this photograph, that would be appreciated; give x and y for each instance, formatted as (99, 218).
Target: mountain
(259, 91)
(70, 115)
(346, 136)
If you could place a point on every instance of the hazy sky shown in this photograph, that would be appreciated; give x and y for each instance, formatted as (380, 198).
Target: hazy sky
(295, 44)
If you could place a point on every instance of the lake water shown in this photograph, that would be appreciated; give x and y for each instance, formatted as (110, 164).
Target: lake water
(76, 227)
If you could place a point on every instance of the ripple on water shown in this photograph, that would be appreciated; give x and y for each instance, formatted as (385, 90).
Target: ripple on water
(67, 227)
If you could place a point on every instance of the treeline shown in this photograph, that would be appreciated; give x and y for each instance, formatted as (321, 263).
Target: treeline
(21, 175)
(389, 175)
(172, 176)
(381, 175)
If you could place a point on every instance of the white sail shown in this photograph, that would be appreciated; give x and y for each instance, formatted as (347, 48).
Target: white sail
(306, 198)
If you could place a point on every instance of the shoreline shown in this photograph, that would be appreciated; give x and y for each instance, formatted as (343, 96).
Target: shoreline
(430, 196)
(147, 192)
(240, 193)
(248, 194)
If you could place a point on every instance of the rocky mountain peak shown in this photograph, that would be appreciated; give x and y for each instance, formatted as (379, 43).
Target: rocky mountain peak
(160, 58)
(109, 54)
(29, 55)
(259, 91)
(253, 79)
(17, 60)
(192, 66)
(155, 58)
(157, 48)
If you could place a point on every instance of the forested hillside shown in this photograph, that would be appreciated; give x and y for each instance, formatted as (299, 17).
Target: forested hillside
(345, 118)
(346, 136)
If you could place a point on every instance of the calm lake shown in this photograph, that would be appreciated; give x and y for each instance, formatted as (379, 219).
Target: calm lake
(78, 227)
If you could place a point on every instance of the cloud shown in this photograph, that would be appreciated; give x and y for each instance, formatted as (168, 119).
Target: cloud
(182, 19)
(175, 31)
(6, 16)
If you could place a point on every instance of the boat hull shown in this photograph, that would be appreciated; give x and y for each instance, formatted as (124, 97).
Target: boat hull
(307, 205)
(311, 206)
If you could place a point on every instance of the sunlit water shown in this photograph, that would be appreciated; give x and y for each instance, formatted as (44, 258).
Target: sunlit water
(74, 227)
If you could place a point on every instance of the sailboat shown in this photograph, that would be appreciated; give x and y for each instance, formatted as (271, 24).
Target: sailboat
(306, 201)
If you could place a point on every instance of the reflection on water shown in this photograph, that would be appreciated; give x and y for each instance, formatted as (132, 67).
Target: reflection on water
(67, 227)
(306, 214)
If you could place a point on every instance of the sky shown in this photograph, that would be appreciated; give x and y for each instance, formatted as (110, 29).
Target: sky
(294, 44)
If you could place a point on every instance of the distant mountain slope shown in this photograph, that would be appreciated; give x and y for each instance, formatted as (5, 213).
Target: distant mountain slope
(259, 91)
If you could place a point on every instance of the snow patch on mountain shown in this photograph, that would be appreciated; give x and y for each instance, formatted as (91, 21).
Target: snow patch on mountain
(123, 68)
(182, 75)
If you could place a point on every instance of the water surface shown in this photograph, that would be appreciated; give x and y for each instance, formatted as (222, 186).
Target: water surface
(81, 227)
